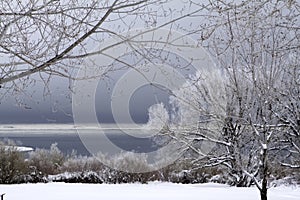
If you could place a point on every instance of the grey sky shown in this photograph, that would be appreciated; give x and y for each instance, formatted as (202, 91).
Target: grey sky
(36, 105)
(57, 106)
(53, 104)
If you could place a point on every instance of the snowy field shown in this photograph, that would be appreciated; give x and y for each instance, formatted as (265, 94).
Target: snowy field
(151, 191)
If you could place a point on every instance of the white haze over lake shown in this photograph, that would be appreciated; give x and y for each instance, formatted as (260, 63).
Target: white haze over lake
(58, 127)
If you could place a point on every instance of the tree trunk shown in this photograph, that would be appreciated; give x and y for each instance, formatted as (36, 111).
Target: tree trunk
(264, 190)
(264, 185)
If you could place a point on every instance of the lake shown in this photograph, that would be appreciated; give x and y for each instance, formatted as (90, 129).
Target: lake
(67, 138)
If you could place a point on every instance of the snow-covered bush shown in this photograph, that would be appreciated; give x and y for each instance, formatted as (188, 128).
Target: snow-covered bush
(51, 165)
(81, 164)
(126, 167)
(77, 177)
(158, 117)
(12, 165)
(128, 161)
(47, 161)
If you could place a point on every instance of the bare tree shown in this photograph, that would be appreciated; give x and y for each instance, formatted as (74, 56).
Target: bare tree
(252, 41)
(288, 113)
(40, 39)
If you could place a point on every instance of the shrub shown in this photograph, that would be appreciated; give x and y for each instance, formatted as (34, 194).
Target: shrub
(77, 177)
(82, 164)
(13, 167)
(47, 161)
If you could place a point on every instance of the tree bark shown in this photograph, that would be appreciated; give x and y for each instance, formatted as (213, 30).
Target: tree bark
(264, 190)
(264, 185)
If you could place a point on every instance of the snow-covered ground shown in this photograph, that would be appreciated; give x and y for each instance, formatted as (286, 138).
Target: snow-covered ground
(151, 191)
